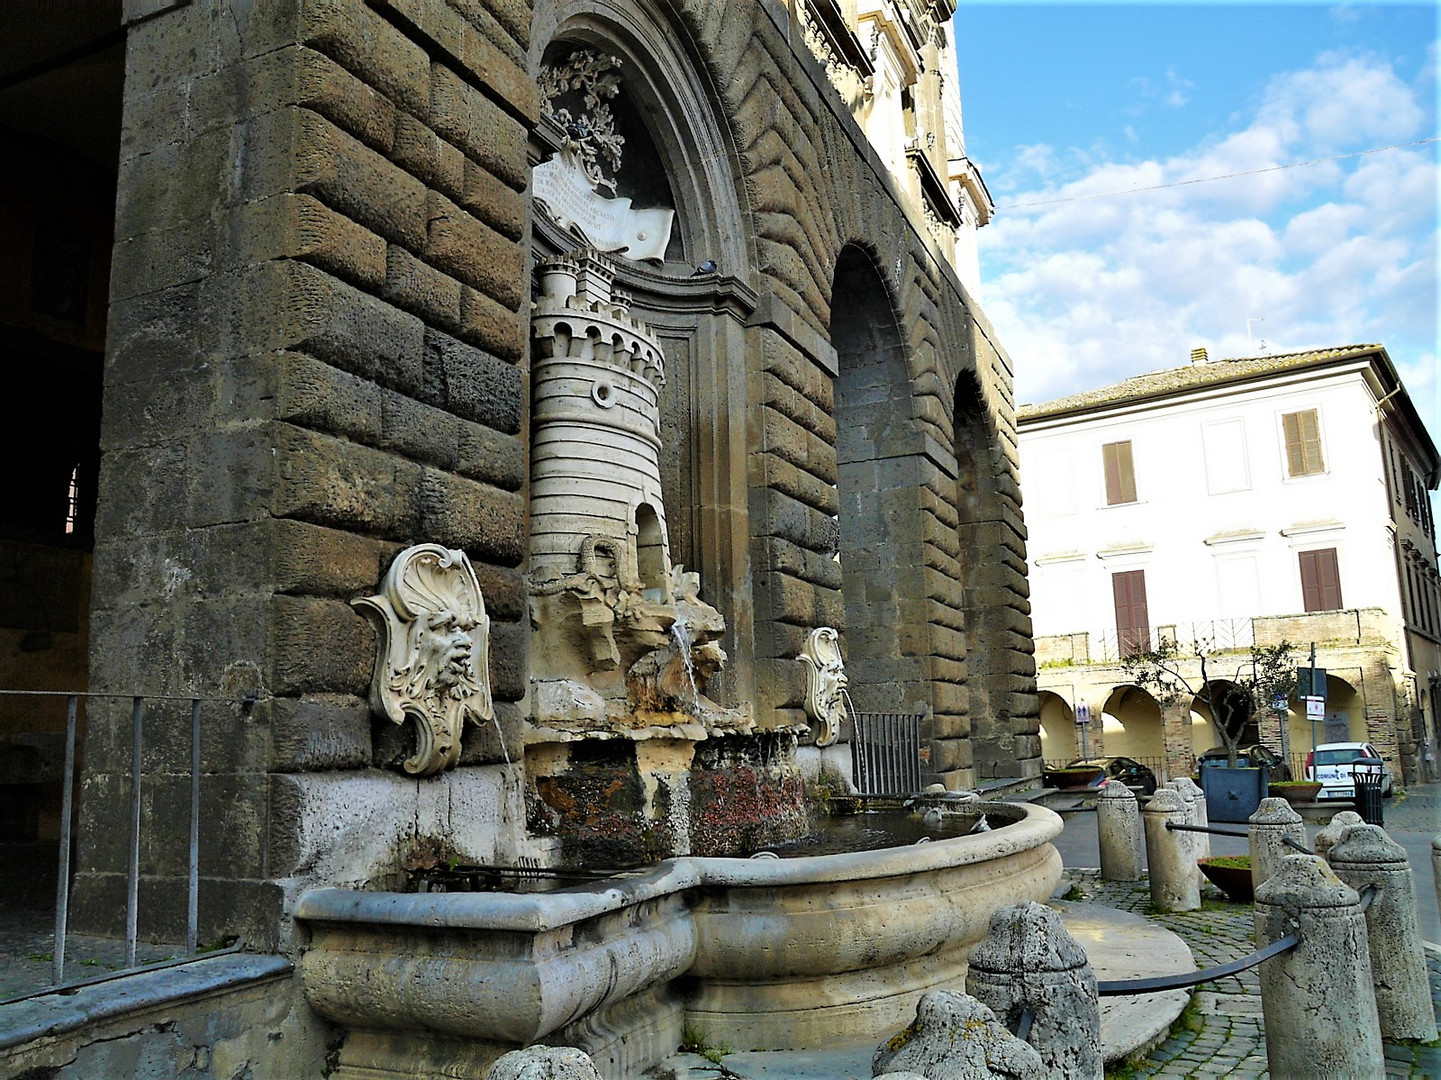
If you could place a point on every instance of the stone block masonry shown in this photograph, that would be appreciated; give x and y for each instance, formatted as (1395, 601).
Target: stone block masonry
(314, 359)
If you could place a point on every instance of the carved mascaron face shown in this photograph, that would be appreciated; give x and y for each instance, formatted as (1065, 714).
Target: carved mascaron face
(825, 682)
(444, 653)
(432, 664)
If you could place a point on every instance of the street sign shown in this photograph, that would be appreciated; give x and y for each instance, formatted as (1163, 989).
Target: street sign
(1278, 703)
(1315, 708)
(1304, 682)
(1083, 714)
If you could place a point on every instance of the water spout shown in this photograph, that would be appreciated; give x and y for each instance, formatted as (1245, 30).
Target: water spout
(680, 632)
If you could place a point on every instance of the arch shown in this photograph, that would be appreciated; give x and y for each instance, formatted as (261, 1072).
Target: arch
(673, 94)
(872, 408)
(1059, 744)
(1000, 718)
(698, 319)
(1131, 721)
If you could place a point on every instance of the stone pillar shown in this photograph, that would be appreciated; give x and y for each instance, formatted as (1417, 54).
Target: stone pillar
(1340, 822)
(1436, 864)
(1364, 856)
(1317, 998)
(1029, 961)
(1273, 820)
(1193, 794)
(1172, 870)
(1176, 735)
(1118, 829)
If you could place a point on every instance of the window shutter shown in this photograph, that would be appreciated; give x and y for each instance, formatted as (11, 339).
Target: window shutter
(1303, 443)
(1120, 473)
(1320, 580)
(1128, 589)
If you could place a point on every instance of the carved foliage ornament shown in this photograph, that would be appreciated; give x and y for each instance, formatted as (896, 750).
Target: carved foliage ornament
(591, 132)
(825, 682)
(432, 651)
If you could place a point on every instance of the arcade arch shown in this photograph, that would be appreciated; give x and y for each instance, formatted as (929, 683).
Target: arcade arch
(1059, 742)
(872, 411)
(1131, 725)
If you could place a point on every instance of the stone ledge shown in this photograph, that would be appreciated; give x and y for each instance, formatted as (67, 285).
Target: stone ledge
(71, 1009)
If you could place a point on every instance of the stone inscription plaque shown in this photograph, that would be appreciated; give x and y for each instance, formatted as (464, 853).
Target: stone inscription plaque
(606, 224)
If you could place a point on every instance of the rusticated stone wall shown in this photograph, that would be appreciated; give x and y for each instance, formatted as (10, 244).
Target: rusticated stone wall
(950, 524)
(316, 356)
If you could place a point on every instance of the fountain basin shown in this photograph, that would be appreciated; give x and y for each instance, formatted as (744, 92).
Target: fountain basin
(749, 953)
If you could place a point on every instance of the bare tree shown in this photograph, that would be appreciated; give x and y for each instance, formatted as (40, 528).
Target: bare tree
(1269, 672)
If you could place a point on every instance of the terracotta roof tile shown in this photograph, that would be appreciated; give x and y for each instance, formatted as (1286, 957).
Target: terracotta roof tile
(1176, 380)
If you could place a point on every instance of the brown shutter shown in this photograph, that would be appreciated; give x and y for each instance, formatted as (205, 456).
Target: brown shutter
(1132, 619)
(1303, 443)
(1120, 473)
(1320, 580)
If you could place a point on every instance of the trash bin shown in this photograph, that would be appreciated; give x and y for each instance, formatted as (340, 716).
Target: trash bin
(1367, 774)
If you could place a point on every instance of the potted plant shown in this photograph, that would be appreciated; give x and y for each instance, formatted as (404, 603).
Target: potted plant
(1231, 874)
(1296, 791)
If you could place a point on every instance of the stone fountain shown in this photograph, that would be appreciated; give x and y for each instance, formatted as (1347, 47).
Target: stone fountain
(631, 771)
(628, 759)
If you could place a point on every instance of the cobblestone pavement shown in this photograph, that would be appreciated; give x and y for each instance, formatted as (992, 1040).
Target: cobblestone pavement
(1225, 1035)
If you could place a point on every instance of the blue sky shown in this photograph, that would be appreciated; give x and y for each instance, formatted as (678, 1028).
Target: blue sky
(1064, 103)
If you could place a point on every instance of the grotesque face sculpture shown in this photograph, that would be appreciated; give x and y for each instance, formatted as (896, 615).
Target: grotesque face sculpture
(825, 683)
(432, 660)
(444, 655)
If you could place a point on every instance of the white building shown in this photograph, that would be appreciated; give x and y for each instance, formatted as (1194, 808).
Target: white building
(1232, 502)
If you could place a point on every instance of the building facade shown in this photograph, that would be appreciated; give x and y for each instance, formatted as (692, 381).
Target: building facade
(1231, 503)
(273, 321)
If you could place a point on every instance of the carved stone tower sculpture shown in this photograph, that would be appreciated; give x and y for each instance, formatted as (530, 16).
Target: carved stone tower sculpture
(622, 639)
(432, 651)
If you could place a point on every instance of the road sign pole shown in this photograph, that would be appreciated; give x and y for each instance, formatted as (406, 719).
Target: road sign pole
(1312, 681)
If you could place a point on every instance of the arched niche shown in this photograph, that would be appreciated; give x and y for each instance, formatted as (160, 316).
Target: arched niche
(699, 318)
(901, 653)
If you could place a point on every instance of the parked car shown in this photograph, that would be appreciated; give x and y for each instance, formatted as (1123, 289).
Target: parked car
(1248, 757)
(1133, 774)
(1330, 765)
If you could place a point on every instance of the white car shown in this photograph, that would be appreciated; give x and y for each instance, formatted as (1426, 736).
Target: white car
(1331, 763)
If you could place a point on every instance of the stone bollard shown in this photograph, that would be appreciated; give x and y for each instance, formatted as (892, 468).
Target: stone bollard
(1175, 885)
(1317, 999)
(1364, 856)
(952, 1037)
(1436, 864)
(1118, 831)
(1028, 960)
(1192, 793)
(1273, 820)
(1338, 824)
(544, 1063)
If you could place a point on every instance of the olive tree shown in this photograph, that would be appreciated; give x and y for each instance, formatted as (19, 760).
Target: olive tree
(1267, 673)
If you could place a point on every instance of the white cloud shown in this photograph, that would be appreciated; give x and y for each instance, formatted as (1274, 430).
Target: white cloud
(1088, 291)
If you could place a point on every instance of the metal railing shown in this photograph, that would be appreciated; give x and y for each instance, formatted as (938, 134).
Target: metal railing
(1215, 635)
(1162, 983)
(138, 705)
(886, 753)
